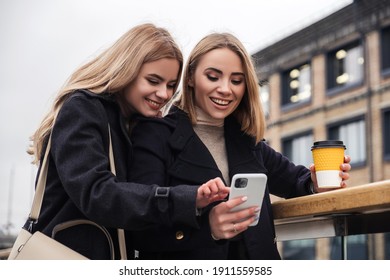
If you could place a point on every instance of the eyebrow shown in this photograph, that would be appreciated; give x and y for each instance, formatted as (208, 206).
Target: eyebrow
(220, 72)
(156, 76)
(160, 78)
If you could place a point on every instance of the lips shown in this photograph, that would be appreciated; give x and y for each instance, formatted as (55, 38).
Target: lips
(220, 102)
(153, 104)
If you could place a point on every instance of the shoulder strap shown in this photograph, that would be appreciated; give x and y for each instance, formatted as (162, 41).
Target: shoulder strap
(121, 232)
(41, 184)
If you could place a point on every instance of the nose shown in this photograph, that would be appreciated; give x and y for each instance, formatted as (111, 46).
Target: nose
(224, 86)
(163, 93)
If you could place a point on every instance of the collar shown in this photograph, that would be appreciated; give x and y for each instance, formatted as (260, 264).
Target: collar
(240, 147)
(112, 109)
(203, 119)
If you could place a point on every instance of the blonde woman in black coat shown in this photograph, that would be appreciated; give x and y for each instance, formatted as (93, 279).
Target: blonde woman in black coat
(138, 74)
(216, 129)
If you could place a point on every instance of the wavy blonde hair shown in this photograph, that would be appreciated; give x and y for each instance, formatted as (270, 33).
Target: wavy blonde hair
(250, 111)
(111, 71)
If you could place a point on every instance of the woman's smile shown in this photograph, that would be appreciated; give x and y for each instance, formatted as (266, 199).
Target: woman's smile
(220, 102)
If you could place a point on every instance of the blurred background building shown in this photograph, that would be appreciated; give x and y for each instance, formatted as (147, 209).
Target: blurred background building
(331, 80)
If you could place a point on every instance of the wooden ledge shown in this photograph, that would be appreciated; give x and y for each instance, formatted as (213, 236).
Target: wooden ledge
(359, 199)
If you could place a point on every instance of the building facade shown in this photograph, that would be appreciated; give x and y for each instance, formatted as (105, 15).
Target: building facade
(331, 80)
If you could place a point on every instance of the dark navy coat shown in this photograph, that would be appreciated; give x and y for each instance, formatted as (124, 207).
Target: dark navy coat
(80, 184)
(168, 152)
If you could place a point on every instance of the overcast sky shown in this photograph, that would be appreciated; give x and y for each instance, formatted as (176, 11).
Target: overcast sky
(43, 41)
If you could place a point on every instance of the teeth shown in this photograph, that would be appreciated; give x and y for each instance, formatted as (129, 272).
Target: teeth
(153, 103)
(220, 102)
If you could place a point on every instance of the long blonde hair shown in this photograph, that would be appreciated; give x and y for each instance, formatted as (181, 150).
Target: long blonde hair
(250, 111)
(111, 72)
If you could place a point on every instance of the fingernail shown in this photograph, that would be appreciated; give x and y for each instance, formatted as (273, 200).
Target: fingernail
(257, 209)
(244, 198)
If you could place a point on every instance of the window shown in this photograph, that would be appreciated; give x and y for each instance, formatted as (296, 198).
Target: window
(299, 249)
(298, 149)
(387, 245)
(264, 96)
(386, 134)
(345, 66)
(296, 87)
(385, 50)
(352, 133)
(356, 247)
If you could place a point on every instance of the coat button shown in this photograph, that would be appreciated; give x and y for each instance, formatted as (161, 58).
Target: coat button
(179, 235)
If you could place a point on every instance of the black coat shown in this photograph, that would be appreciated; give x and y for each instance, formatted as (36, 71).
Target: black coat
(168, 152)
(80, 184)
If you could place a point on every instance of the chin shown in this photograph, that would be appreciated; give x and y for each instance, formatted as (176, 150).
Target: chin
(220, 117)
(151, 114)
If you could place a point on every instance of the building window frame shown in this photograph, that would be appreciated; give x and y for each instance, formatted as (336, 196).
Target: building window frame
(307, 147)
(386, 133)
(337, 60)
(385, 54)
(290, 85)
(334, 128)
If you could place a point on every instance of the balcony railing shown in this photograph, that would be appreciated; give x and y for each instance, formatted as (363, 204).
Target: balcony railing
(356, 210)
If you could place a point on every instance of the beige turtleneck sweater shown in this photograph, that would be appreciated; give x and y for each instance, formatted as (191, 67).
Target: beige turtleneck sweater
(211, 132)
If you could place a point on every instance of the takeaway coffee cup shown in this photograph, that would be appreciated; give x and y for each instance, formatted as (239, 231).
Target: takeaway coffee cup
(328, 156)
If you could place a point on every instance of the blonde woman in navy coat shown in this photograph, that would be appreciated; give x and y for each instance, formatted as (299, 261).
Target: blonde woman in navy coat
(138, 74)
(216, 130)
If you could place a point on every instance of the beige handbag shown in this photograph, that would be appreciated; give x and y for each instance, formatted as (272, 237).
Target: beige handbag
(38, 246)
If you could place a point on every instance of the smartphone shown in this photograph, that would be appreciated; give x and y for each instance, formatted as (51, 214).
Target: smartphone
(251, 185)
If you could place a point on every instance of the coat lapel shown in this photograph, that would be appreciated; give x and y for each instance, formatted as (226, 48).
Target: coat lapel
(192, 161)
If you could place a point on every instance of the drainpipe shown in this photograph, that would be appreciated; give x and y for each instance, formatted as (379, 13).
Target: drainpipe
(371, 243)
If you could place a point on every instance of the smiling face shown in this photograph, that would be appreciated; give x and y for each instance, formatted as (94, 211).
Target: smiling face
(218, 83)
(153, 87)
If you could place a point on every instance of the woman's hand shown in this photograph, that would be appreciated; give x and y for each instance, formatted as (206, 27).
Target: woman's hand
(213, 190)
(225, 224)
(345, 168)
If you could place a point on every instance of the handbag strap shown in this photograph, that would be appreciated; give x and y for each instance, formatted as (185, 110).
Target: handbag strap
(121, 232)
(40, 190)
(41, 183)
